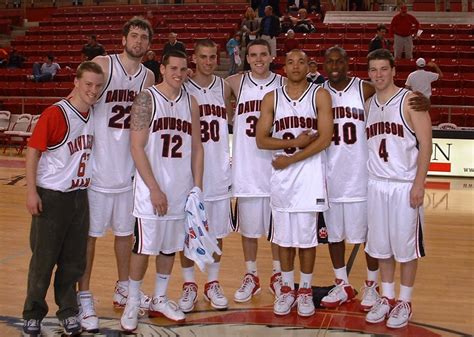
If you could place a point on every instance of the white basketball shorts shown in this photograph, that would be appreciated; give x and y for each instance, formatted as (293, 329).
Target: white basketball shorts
(253, 216)
(298, 229)
(153, 237)
(219, 217)
(347, 221)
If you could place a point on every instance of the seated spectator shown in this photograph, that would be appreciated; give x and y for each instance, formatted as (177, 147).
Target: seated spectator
(233, 50)
(45, 72)
(15, 60)
(92, 49)
(314, 76)
(379, 41)
(249, 26)
(152, 64)
(173, 44)
(302, 23)
(290, 42)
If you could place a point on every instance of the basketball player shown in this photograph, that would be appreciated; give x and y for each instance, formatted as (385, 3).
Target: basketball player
(290, 116)
(57, 174)
(167, 151)
(251, 167)
(211, 93)
(110, 195)
(346, 217)
(399, 141)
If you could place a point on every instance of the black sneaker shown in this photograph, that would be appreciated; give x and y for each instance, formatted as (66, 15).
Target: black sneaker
(32, 327)
(71, 326)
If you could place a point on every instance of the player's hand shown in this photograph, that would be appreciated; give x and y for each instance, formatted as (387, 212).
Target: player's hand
(419, 102)
(417, 194)
(159, 202)
(281, 162)
(304, 139)
(33, 203)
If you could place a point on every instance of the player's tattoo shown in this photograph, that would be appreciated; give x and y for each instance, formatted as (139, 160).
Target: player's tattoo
(141, 112)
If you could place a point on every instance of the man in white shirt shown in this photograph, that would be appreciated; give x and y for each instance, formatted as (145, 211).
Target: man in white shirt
(420, 80)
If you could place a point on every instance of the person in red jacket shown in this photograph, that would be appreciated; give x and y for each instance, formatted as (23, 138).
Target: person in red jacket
(403, 26)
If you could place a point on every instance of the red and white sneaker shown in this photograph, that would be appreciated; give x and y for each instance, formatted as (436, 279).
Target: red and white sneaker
(162, 306)
(189, 297)
(304, 302)
(121, 294)
(400, 315)
(276, 284)
(341, 293)
(370, 295)
(285, 302)
(380, 310)
(250, 287)
(214, 294)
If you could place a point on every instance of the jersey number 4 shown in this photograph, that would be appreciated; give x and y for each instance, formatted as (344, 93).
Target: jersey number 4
(383, 150)
(121, 117)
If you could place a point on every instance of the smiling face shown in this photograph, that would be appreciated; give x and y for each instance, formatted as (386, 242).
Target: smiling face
(259, 59)
(335, 66)
(205, 59)
(381, 74)
(136, 43)
(296, 66)
(174, 72)
(88, 87)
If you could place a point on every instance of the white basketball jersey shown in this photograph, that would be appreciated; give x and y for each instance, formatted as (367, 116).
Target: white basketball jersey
(65, 166)
(112, 164)
(215, 138)
(301, 187)
(347, 155)
(393, 147)
(251, 167)
(169, 152)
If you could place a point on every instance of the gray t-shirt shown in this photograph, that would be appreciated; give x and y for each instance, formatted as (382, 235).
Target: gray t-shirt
(420, 80)
(50, 68)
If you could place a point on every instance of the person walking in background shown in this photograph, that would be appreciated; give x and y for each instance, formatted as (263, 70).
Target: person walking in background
(233, 50)
(420, 80)
(403, 27)
(270, 29)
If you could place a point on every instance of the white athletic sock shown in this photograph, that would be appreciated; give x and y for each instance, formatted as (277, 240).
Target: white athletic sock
(341, 274)
(276, 266)
(213, 271)
(251, 267)
(134, 289)
(288, 279)
(405, 293)
(188, 274)
(305, 280)
(161, 284)
(123, 284)
(388, 290)
(372, 275)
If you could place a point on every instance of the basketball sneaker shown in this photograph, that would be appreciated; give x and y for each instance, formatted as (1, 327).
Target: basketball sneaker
(250, 286)
(304, 302)
(32, 327)
(71, 326)
(189, 297)
(275, 284)
(380, 310)
(370, 295)
(162, 306)
(214, 294)
(121, 294)
(129, 319)
(284, 302)
(87, 316)
(400, 315)
(341, 293)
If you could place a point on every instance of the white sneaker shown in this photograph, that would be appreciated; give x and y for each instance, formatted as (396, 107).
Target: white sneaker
(121, 294)
(129, 319)
(370, 295)
(250, 286)
(275, 284)
(284, 302)
(380, 310)
(304, 302)
(342, 292)
(162, 306)
(400, 315)
(189, 297)
(87, 316)
(214, 294)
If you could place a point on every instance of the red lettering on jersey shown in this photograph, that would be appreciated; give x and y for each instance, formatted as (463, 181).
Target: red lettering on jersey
(82, 142)
(120, 95)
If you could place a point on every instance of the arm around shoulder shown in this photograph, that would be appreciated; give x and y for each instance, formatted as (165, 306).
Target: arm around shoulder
(197, 154)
